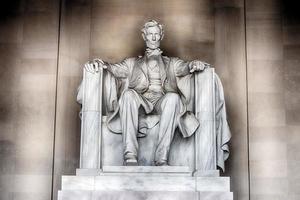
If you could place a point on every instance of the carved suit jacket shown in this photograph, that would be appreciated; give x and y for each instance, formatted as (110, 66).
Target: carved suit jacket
(175, 77)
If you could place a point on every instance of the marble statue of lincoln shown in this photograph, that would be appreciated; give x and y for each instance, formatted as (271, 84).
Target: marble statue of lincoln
(152, 87)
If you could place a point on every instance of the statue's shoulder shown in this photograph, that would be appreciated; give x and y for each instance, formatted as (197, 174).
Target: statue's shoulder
(133, 61)
(130, 61)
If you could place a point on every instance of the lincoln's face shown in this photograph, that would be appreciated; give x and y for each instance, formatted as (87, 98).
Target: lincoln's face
(152, 37)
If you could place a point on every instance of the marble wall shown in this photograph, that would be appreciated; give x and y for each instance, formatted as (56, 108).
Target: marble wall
(231, 66)
(254, 45)
(274, 99)
(28, 57)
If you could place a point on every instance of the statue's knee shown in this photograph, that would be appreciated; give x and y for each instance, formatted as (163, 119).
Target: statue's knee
(128, 98)
(129, 95)
(172, 99)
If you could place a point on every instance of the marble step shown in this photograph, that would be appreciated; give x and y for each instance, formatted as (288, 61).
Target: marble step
(145, 171)
(136, 170)
(215, 196)
(145, 183)
(142, 195)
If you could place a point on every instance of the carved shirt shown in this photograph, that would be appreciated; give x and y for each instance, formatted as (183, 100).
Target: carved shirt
(155, 90)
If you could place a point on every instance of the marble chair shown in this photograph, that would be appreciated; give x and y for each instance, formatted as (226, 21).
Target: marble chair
(207, 149)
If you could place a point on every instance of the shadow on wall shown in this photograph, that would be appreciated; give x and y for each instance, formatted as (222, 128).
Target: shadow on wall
(7, 166)
(7, 151)
(290, 10)
(9, 8)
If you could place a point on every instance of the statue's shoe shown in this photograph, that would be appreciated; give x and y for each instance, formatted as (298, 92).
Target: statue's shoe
(161, 163)
(131, 162)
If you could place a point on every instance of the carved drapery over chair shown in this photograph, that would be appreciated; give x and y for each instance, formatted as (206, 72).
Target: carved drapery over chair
(207, 149)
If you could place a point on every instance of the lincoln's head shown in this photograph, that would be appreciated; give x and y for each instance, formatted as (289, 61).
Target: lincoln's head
(152, 33)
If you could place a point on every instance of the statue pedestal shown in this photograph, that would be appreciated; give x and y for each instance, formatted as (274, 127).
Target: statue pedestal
(145, 182)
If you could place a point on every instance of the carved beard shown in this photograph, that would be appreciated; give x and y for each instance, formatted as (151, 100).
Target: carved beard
(152, 45)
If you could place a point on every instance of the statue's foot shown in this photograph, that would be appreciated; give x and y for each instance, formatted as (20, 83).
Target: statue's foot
(161, 163)
(131, 162)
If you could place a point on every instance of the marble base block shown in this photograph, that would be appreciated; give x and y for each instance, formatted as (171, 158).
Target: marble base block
(129, 183)
(215, 196)
(126, 195)
(140, 195)
(145, 182)
(147, 170)
(137, 170)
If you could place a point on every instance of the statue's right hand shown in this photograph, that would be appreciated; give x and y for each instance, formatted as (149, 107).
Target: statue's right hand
(93, 66)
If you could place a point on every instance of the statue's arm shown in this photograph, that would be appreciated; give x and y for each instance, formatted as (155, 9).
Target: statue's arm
(118, 70)
(184, 68)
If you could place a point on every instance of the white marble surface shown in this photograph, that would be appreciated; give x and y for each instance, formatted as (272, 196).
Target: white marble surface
(138, 195)
(146, 183)
(88, 172)
(147, 169)
(152, 195)
(77, 182)
(205, 136)
(145, 174)
(99, 146)
(207, 173)
(213, 184)
(90, 95)
(128, 195)
(129, 183)
(181, 152)
(215, 196)
(140, 171)
(75, 195)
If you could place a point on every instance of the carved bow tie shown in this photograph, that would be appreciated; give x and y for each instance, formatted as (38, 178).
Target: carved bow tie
(153, 52)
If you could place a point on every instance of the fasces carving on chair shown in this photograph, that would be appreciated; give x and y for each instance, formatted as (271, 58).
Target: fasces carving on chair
(153, 92)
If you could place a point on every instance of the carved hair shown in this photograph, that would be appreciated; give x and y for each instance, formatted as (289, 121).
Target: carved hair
(152, 23)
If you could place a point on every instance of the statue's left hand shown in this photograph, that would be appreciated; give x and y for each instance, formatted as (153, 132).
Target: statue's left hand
(197, 65)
